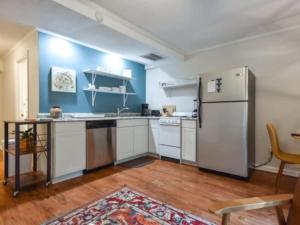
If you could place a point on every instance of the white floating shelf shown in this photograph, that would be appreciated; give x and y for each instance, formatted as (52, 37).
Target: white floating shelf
(105, 74)
(110, 92)
(166, 85)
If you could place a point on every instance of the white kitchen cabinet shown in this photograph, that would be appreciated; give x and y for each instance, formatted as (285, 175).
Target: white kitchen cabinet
(69, 148)
(153, 136)
(189, 140)
(124, 142)
(140, 145)
(132, 138)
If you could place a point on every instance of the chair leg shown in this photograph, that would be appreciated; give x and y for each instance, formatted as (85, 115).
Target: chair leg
(278, 177)
(226, 219)
(280, 216)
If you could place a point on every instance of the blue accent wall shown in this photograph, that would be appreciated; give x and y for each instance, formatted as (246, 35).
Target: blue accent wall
(60, 53)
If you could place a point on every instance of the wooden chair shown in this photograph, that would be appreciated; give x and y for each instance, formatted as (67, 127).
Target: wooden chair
(284, 157)
(225, 208)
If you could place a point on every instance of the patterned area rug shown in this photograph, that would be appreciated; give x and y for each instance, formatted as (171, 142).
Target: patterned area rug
(126, 207)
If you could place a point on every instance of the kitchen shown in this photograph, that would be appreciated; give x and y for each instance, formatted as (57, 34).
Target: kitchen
(103, 109)
(133, 134)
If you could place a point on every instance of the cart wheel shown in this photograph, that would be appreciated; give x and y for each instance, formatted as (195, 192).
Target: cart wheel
(16, 193)
(4, 182)
(47, 184)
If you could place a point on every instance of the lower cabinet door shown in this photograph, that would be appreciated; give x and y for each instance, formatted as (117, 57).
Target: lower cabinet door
(189, 144)
(70, 154)
(124, 142)
(140, 145)
(153, 140)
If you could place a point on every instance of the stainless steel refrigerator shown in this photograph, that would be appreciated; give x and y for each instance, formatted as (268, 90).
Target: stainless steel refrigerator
(226, 122)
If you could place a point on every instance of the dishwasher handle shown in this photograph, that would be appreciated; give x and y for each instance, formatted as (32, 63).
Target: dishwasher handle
(100, 124)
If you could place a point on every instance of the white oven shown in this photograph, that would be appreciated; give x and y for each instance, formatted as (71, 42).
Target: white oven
(169, 137)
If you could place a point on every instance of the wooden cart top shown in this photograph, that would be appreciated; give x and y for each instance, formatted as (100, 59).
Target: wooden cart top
(29, 121)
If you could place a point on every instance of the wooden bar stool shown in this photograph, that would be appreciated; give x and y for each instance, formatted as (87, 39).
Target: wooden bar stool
(284, 157)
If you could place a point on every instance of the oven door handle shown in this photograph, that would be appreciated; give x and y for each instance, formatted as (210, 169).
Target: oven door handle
(173, 125)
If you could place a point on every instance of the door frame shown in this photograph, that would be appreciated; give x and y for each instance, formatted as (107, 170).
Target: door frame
(21, 59)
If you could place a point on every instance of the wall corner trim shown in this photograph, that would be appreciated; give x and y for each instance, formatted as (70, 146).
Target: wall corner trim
(1, 66)
(34, 30)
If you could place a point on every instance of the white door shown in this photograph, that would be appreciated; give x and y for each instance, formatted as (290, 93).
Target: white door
(189, 144)
(22, 89)
(140, 140)
(124, 142)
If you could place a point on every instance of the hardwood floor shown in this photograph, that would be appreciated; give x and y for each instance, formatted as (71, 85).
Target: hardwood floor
(182, 186)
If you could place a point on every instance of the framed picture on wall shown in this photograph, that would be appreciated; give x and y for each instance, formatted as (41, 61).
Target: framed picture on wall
(63, 80)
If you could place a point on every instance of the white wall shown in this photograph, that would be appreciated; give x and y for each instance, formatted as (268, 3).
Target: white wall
(28, 44)
(275, 60)
(8, 80)
(156, 96)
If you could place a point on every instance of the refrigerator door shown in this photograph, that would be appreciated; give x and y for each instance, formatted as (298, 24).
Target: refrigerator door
(225, 86)
(222, 140)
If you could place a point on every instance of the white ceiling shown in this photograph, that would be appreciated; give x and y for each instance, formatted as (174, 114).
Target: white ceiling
(167, 27)
(11, 34)
(191, 25)
(53, 17)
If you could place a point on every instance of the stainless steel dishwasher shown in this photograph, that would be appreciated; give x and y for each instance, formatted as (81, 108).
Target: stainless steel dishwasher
(101, 143)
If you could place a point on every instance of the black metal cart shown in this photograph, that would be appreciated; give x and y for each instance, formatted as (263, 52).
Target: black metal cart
(41, 143)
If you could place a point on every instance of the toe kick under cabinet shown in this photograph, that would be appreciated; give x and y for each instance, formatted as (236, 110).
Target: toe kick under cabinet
(69, 150)
(132, 138)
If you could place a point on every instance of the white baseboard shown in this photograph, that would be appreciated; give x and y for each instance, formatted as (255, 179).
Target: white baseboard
(273, 169)
(55, 180)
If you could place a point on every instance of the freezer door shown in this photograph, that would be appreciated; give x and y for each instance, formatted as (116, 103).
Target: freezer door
(222, 140)
(231, 85)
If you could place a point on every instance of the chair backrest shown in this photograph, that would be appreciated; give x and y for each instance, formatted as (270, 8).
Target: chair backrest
(294, 213)
(274, 139)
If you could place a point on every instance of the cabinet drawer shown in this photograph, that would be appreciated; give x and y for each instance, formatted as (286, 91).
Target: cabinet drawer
(132, 122)
(69, 127)
(189, 123)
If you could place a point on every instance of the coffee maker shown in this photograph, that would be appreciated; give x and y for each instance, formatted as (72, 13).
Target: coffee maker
(145, 110)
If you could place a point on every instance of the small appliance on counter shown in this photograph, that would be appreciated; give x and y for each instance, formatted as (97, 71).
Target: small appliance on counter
(56, 112)
(167, 110)
(155, 113)
(145, 110)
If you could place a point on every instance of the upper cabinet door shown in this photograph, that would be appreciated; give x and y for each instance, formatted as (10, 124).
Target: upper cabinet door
(231, 85)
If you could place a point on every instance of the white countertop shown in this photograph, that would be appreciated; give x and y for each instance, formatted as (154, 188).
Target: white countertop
(71, 119)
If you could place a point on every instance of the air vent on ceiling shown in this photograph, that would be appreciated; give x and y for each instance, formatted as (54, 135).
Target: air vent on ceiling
(152, 57)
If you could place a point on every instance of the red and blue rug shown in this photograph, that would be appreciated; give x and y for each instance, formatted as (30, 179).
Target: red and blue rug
(126, 207)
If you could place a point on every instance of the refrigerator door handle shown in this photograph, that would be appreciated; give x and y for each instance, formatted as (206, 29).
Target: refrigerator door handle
(200, 102)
